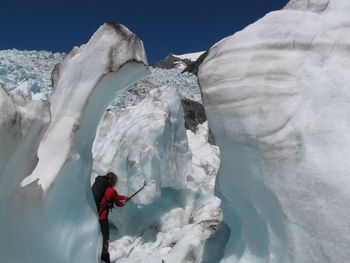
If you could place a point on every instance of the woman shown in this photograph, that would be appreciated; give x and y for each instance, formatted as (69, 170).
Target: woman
(110, 198)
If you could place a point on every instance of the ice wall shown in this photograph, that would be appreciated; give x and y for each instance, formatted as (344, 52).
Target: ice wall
(145, 142)
(176, 213)
(276, 96)
(50, 215)
(22, 124)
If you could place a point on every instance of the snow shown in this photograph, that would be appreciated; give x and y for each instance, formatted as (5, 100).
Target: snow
(191, 56)
(318, 6)
(276, 97)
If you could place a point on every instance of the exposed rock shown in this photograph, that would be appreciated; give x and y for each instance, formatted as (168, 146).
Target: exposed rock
(172, 61)
(194, 66)
(194, 114)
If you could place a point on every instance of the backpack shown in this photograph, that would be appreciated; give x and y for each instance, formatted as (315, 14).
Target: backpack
(98, 189)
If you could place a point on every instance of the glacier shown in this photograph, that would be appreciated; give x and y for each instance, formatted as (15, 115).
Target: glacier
(276, 96)
(185, 83)
(28, 72)
(158, 153)
(141, 136)
(176, 213)
(22, 125)
(49, 213)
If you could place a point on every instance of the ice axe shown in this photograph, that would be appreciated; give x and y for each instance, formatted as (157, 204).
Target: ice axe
(131, 196)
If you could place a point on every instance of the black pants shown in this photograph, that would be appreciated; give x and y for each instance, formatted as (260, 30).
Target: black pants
(104, 225)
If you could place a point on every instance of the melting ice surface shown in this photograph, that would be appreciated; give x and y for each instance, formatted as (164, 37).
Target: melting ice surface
(280, 115)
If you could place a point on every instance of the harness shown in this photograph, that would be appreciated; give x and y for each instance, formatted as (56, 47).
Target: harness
(105, 206)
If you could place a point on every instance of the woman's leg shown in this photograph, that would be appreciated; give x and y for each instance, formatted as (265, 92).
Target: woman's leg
(104, 224)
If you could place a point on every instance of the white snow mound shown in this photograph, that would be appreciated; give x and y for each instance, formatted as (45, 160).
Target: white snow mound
(191, 56)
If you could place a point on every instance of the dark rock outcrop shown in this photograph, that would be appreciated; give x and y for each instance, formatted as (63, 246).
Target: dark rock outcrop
(171, 61)
(194, 114)
(194, 66)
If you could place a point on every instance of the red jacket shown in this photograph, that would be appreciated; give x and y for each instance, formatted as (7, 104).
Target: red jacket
(110, 195)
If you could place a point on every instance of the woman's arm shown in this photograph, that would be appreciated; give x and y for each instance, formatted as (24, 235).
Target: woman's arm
(117, 198)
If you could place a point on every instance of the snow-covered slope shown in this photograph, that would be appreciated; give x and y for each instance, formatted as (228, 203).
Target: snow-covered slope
(52, 217)
(180, 62)
(277, 100)
(190, 56)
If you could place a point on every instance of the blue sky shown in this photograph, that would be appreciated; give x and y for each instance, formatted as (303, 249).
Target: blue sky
(164, 26)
